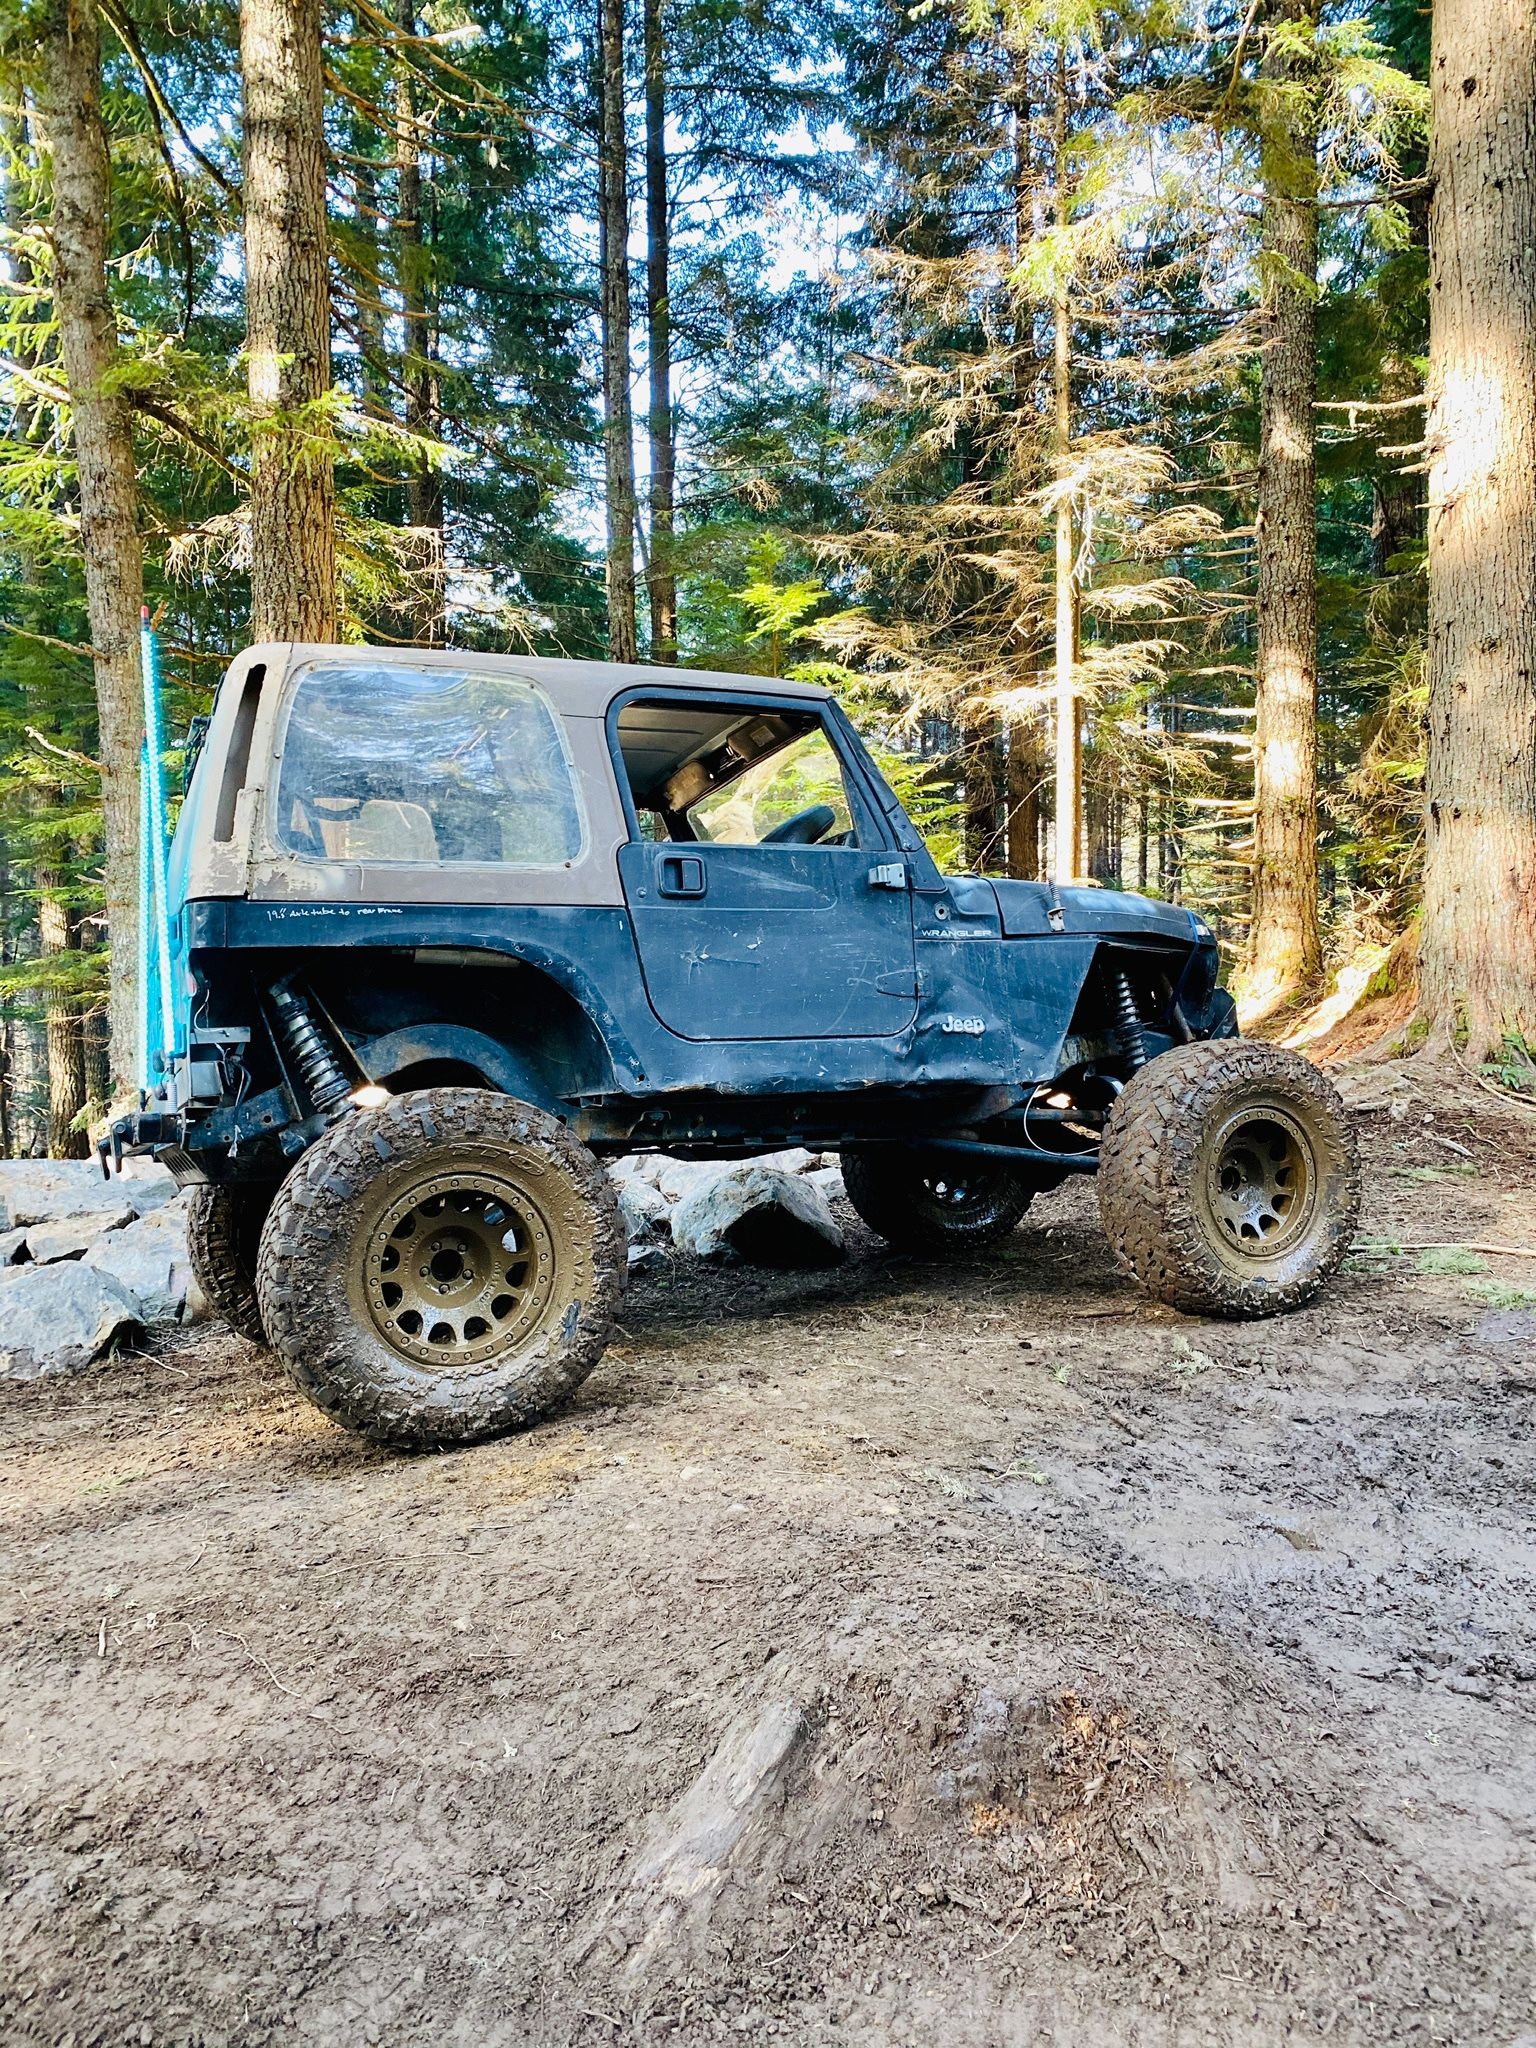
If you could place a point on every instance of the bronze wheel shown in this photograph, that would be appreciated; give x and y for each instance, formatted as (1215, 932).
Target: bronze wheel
(443, 1269)
(1260, 1180)
(1229, 1182)
(458, 1267)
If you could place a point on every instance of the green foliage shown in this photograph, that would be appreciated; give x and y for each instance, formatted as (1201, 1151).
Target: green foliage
(865, 262)
(1501, 1294)
(1513, 1065)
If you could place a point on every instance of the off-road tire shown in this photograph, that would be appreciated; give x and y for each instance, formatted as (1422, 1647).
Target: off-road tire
(223, 1244)
(329, 1292)
(1229, 1179)
(929, 1205)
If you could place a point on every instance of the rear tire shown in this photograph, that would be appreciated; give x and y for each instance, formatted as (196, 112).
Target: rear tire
(1229, 1179)
(223, 1243)
(928, 1204)
(443, 1269)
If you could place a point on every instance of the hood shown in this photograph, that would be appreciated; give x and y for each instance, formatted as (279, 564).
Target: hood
(1038, 909)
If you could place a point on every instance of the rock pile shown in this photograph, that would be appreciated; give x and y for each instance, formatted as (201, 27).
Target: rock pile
(86, 1263)
(772, 1211)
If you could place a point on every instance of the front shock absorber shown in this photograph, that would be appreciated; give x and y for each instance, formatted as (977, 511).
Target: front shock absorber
(1129, 1032)
(316, 1063)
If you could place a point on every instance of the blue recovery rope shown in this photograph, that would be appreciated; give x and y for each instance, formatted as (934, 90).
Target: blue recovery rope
(146, 897)
(157, 902)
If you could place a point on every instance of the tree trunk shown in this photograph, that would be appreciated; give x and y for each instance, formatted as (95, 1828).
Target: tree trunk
(423, 489)
(1284, 940)
(1069, 714)
(1098, 829)
(1478, 969)
(1025, 771)
(613, 267)
(373, 364)
(1025, 766)
(980, 764)
(288, 323)
(65, 1047)
(1397, 509)
(69, 104)
(661, 577)
(97, 1071)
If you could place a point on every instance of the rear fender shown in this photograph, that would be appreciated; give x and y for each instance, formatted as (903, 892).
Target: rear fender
(427, 1055)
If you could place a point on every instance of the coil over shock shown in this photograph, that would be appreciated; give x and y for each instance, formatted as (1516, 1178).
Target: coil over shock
(1129, 1033)
(316, 1063)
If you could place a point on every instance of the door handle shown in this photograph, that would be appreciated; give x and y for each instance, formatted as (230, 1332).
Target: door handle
(681, 874)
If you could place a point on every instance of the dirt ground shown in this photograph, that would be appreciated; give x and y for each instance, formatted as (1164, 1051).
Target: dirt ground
(905, 1654)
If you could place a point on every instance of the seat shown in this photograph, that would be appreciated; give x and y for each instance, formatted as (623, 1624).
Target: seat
(381, 829)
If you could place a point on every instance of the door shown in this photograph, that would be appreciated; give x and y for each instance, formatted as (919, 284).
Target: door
(764, 901)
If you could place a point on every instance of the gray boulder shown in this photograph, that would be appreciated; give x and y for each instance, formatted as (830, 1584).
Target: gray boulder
(646, 1211)
(47, 1190)
(59, 1318)
(148, 1260)
(144, 1183)
(795, 1160)
(679, 1178)
(643, 1166)
(762, 1214)
(72, 1235)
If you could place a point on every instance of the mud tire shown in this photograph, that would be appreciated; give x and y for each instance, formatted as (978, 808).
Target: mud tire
(927, 1206)
(326, 1309)
(1180, 1214)
(223, 1243)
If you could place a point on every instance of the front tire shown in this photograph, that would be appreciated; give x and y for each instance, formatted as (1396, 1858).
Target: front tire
(928, 1204)
(442, 1270)
(1229, 1179)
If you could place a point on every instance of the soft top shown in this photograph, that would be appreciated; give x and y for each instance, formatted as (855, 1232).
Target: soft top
(577, 689)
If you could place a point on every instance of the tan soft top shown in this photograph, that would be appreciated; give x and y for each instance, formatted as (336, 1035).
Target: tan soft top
(224, 845)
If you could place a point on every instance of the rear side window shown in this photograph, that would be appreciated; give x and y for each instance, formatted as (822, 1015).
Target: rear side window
(385, 762)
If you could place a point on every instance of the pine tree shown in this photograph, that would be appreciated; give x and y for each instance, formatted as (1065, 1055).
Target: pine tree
(1479, 954)
(69, 108)
(288, 323)
(613, 284)
(1285, 938)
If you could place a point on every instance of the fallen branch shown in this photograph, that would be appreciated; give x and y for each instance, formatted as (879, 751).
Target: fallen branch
(1493, 1251)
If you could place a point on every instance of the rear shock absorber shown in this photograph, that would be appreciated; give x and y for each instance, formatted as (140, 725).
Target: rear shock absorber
(316, 1064)
(1128, 1026)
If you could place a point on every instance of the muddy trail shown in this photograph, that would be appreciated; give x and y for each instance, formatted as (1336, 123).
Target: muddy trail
(898, 1654)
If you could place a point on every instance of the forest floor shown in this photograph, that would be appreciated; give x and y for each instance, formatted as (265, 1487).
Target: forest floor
(902, 1654)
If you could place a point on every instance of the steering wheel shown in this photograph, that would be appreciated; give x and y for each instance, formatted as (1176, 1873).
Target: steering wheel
(803, 829)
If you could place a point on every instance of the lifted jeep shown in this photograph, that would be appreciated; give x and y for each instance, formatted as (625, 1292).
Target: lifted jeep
(448, 927)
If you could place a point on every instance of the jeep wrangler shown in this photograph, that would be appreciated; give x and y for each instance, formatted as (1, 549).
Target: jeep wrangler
(450, 927)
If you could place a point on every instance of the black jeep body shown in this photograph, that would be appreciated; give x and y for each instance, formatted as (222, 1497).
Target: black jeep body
(603, 958)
